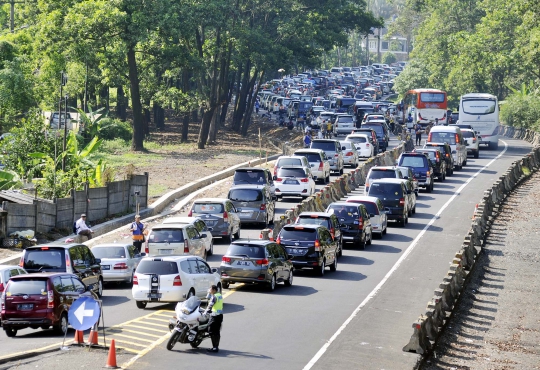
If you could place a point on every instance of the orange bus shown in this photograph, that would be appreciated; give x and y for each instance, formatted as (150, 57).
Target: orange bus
(425, 105)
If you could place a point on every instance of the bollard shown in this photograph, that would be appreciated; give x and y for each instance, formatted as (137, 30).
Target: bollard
(439, 315)
(432, 330)
(419, 341)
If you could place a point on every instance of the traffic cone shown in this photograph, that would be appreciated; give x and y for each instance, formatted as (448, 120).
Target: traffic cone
(93, 337)
(79, 337)
(111, 359)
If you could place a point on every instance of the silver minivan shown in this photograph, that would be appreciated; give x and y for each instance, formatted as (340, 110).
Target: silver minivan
(453, 136)
(167, 239)
(334, 153)
(254, 204)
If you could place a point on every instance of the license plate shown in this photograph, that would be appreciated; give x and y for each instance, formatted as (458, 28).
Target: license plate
(154, 295)
(165, 251)
(25, 307)
(105, 267)
(243, 263)
(291, 182)
(246, 214)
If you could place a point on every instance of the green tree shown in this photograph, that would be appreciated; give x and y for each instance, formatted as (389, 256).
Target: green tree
(389, 58)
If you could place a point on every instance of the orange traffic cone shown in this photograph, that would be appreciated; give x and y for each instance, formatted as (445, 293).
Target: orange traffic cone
(79, 337)
(111, 359)
(93, 337)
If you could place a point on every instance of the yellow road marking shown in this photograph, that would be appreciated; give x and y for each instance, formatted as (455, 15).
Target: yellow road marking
(68, 342)
(132, 343)
(132, 337)
(136, 351)
(145, 328)
(165, 315)
(127, 364)
(155, 324)
(138, 332)
(160, 320)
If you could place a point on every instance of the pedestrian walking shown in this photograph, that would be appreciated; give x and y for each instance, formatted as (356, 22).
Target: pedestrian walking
(418, 131)
(81, 228)
(257, 107)
(138, 230)
(307, 140)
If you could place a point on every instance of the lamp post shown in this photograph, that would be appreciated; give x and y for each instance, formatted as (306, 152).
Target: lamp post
(66, 97)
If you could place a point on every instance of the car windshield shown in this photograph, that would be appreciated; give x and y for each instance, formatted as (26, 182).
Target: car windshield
(30, 286)
(327, 146)
(245, 195)
(291, 172)
(443, 137)
(109, 252)
(309, 220)
(357, 139)
(157, 267)
(413, 161)
(311, 157)
(248, 177)
(370, 206)
(392, 191)
(166, 236)
(252, 251)
(282, 162)
(44, 260)
(210, 208)
(381, 174)
(343, 211)
(302, 235)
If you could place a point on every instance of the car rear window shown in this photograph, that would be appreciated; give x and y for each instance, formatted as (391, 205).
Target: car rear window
(249, 177)
(30, 286)
(443, 137)
(342, 211)
(252, 251)
(308, 220)
(45, 260)
(345, 119)
(289, 162)
(346, 144)
(413, 161)
(166, 236)
(327, 146)
(291, 172)
(109, 252)
(210, 208)
(467, 134)
(382, 174)
(430, 154)
(440, 147)
(311, 157)
(298, 234)
(385, 190)
(377, 128)
(245, 195)
(370, 206)
(157, 267)
(357, 139)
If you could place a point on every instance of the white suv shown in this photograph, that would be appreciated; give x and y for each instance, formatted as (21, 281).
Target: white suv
(320, 166)
(472, 142)
(172, 279)
(201, 227)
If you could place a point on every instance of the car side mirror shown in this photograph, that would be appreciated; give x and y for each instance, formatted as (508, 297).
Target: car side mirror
(204, 236)
(371, 215)
(387, 210)
(343, 148)
(142, 254)
(98, 260)
(214, 270)
(314, 178)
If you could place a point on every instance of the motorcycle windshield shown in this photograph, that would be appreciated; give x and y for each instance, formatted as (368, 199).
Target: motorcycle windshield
(192, 303)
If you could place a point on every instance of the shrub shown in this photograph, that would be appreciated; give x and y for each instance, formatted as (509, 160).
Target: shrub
(112, 129)
(521, 111)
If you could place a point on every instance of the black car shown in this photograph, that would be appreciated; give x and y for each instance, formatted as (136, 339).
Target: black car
(328, 220)
(382, 134)
(393, 195)
(421, 166)
(354, 222)
(446, 151)
(309, 246)
(437, 162)
(75, 259)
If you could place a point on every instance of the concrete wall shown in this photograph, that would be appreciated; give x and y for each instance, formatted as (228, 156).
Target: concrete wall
(98, 203)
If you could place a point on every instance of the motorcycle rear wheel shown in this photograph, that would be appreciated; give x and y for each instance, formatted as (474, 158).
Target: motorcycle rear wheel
(173, 339)
(196, 343)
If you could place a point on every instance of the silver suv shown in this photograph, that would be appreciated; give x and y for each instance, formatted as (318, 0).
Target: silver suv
(381, 172)
(334, 153)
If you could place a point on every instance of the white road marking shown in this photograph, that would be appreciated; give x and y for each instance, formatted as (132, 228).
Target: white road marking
(408, 251)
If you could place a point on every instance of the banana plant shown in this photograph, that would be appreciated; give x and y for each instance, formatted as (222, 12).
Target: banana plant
(9, 180)
(91, 121)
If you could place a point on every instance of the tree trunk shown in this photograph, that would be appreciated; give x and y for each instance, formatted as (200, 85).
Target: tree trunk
(185, 127)
(205, 127)
(137, 142)
(159, 116)
(241, 99)
(250, 103)
(121, 103)
(214, 127)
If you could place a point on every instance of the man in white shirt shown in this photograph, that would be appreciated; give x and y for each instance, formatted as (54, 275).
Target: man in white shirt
(82, 228)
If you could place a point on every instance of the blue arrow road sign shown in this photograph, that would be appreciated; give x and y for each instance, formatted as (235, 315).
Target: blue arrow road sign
(83, 313)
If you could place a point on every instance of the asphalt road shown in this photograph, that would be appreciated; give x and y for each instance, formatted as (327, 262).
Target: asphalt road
(287, 328)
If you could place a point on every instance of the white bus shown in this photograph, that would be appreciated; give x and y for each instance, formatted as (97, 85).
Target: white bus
(481, 112)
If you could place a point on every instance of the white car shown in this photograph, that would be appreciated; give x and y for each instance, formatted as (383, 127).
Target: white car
(361, 142)
(291, 160)
(350, 154)
(343, 124)
(377, 214)
(118, 261)
(295, 182)
(172, 279)
(320, 166)
(6, 272)
(472, 141)
(201, 227)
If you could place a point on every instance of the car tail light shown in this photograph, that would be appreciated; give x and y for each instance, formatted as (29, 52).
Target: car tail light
(21, 261)
(135, 280)
(457, 138)
(120, 266)
(360, 223)
(401, 201)
(227, 260)
(304, 180)
(263, 207)
(349, 154)
(279, 179)
(333, 232)
(275, 171)
(278, 240)
(190, 214)
(1, 287)
(428, 173)
(474, 140)
(367, 145)
(263, 262)
(50, 299)
(68, 264)
(429, 137)
(336, 155)
(317, 246)
(186, 246)
(146, 249)
(320, 166)
(225, 217)
(177, 281)
(447, 155)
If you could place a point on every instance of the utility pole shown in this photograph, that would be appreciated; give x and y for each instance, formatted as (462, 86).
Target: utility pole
(65, 131)
(12, 12)
(63, 82)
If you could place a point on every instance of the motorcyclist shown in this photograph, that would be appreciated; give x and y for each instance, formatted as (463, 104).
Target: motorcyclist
(215, 309)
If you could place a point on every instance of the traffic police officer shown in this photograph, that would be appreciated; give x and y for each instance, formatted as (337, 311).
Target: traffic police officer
(215, 305)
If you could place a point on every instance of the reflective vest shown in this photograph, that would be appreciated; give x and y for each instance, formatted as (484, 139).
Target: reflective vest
(217, 308)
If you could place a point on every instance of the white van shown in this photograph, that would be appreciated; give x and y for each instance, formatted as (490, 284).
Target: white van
(177, 239)
(453, 136)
